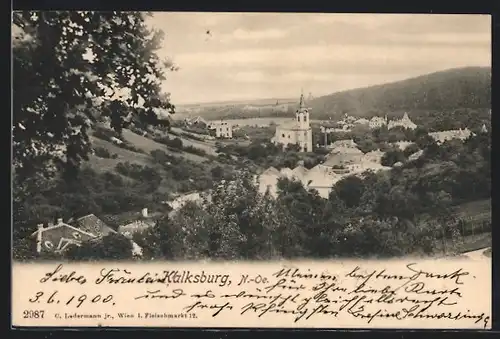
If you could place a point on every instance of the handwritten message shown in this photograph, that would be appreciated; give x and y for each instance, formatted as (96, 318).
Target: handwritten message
(428, 294)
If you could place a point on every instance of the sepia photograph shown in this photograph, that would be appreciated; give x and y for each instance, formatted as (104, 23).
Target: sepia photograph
(180, 136)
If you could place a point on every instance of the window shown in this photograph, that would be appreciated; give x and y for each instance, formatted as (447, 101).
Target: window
(283, 135)
(305, 118)
(298, 118)
(288, 136)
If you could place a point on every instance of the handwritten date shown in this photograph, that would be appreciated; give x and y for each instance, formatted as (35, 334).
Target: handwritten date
(74, 300)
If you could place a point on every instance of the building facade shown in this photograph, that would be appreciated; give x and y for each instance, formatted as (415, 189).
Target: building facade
(221, 129)
(297, 131)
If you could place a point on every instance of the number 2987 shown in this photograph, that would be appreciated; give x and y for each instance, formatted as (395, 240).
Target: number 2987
(33, 314)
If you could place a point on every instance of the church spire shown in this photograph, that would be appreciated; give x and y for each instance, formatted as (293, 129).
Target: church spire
(301, 104)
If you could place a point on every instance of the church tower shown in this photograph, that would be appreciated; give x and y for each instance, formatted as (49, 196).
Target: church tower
(302, 115)
(303, 130)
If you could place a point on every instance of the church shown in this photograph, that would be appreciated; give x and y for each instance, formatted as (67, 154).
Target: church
(297, 131)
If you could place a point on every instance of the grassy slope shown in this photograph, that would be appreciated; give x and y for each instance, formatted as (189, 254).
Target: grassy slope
(145, 144)
(207, 146)
(149, 145)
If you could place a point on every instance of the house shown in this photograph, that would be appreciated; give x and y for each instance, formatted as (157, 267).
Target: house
(341, 144)
(93, 225)
(268, 180)
(297, 131)
(443, 136)
(342, 159)
(286, 172)
(321, 178)
(221, 129)
(58, 237)
(299, 172)
(376, 122)
(128, 230)
(343, 152)
(197, 121)
(131, 223)
(404, 122)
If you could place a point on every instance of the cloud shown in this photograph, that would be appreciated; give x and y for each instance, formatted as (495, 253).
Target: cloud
(296, 76)
(275, 54)
(360, 20)
(302, 56)
(253, 35)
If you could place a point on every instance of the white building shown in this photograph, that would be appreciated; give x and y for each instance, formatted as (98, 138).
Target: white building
(404, 122)
(223, 129)
(297, 131)
(443, 136)
(377, 122)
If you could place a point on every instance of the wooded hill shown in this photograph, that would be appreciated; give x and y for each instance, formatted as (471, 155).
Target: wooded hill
(451, 89)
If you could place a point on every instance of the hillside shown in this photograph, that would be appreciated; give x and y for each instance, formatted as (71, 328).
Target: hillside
(254, 102)
(468, 87)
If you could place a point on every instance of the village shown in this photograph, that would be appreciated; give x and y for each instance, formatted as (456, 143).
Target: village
(342, 158)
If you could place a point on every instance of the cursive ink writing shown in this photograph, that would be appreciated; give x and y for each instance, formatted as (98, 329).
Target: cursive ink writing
(56, 276)
(157, 295)
(454, 276)
(218, 307)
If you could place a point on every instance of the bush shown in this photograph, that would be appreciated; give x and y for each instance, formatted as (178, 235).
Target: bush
(102, 152)
(194, 150)
(130, 147)
(392, 157)
(171, 143)
(191, 136)
(103, 133)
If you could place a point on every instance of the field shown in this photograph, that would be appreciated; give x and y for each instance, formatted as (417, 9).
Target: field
(146, 145)
(103, 164)
(208, 146)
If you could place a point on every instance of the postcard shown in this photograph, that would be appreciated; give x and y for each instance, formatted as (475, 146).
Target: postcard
(251, 170)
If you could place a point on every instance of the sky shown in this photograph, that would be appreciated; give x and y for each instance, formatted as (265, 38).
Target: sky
(277, 55)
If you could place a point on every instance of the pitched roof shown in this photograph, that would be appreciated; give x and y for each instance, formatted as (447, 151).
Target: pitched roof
(271, 170)
(135, 226)
(60, 225)
(286, 171)
(299, 171)
(341, 159)
(92, 224)
(320, 176)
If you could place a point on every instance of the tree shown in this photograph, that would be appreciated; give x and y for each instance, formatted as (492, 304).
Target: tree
(391, 157)
(68, 66)
(350, 190)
